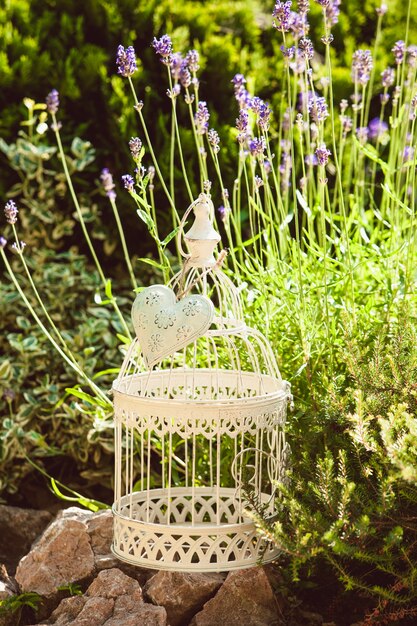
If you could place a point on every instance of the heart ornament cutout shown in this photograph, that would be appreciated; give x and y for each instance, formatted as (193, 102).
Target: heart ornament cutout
(164, 326)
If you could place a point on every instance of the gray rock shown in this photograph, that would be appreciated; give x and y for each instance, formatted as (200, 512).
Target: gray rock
(19, 529)
(182, 594)
(246, 597)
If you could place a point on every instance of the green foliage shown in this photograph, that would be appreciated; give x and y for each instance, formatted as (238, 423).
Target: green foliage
(354, 501)
(15, 603)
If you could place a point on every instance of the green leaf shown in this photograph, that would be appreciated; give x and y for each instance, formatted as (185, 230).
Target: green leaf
(82, 395)
(171, 236)
(151, 262)
(146, 218)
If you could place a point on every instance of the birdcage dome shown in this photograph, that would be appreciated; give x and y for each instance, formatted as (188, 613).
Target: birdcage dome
(209, 412)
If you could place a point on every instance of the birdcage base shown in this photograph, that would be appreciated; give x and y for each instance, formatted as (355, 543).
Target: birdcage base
(188, 529)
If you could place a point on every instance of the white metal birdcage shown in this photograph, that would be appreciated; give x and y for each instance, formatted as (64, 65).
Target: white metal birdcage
(199, 403)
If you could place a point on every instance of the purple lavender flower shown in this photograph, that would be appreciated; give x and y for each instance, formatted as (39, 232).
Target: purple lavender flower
(306, 48)
(412, 55)
(323, 3)
(267, 167)
(399, 50)
(362, 134)
(201, 118)
(135, 146)
(192, 59)
(175, 64)
(257, 147)
(52, 101)
(384, 98)
(322, 154)
(311, 160)
(214, 139)
(408, 153)
(10, 211)
(128, 182)
(281, 13)
(317, 108)
(107, 183)
(288, 52)
(238, 81)
(377, 127)
(347, 124)
(298, 24)
(388, 77)
(303, 6)
(3, 242)
(185, 75)
(126, 61)
(258, 182)
(163, 46)
(223, 212)
(332, 11)
(381, 10)
(264, 116)
(362, 65)
(242, 121)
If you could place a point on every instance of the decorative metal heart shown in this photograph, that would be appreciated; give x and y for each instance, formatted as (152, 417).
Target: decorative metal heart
(164, 325)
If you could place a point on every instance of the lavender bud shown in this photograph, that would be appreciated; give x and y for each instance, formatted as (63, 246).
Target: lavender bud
(399, 51)
(362, 65)
(377, 127)
(176, 62)
(3, 242)
(52, 101)
(303, 6)
(388, 77)
(135, 146)
(201, 118)
(126, 61)
(10, 211)
(107, 183)
(258, 182)
(214, 139)
(317, 108)
(281, 13)
(185, 76)
(163, 46)
(207, 186)
(384, 98)
(362, 134)
(332, 12)
(257, 147)
(174, 92)
(192, 59)
(18, 246)
(327, 40)
(343, 105)
(322, 154)
(151, 173)
(288, 52)
(128, 182)
(225, 194)
(306, 48)
(223, 212)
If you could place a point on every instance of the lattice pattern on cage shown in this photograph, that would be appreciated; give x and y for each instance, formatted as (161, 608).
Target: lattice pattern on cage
(205, 546)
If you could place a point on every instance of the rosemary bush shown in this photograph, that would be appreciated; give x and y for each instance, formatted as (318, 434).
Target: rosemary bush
(320, 226)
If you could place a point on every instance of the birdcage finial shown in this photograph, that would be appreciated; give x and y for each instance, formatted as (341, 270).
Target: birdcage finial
(201, 238)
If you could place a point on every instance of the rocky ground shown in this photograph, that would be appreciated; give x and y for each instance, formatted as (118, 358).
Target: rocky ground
(67, 561)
